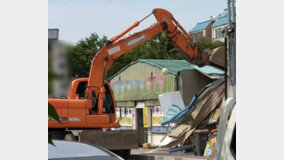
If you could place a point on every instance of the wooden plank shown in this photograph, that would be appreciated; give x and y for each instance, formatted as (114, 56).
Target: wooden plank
(177, 132)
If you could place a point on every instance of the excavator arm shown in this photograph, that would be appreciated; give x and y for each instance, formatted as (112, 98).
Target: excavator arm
(118, 46)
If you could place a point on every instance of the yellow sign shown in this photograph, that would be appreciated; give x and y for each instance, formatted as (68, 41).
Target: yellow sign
(157, 120)
(126, 121)
(145, 117)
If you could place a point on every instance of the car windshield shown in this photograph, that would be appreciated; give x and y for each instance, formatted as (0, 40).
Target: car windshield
(65, 149)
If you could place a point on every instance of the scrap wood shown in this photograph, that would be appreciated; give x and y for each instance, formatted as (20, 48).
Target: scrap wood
(198, 107)
(208, 107)
(179, 131)
(212, 102)
(215, 116)
(204, 93)
(202, 99)
(203, 96)
(147, 145)
(167, 140)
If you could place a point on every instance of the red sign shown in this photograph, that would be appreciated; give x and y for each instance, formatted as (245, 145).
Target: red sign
(161, 82)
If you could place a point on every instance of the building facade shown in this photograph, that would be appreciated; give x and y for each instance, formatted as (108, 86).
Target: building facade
(211, 29)
(58, 64)
(137, 87)
(202, 30)
(219, 25)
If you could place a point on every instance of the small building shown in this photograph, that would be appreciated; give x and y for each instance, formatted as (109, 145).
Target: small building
(137, 87)
(220, 23)
(58, 64)
(202, 30)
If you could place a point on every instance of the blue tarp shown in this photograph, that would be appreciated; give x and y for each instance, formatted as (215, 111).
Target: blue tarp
(184, 112)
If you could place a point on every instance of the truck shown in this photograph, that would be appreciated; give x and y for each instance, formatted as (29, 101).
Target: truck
(90, 104)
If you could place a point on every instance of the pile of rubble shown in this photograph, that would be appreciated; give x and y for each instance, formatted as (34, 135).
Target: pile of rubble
(192, 126)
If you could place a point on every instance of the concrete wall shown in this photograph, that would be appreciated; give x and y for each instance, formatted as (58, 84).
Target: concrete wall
(191, 82)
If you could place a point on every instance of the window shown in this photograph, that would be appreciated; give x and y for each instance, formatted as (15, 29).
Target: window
(81, 89)
(218, 33)
(199, 34)
(108, 104)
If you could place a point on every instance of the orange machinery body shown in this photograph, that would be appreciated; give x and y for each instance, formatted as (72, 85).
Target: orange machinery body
(76, 113)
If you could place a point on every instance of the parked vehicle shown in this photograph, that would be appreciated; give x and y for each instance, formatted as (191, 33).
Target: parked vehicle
(69, 150)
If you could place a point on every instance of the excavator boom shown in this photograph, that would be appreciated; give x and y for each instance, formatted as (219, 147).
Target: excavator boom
(91, 103)
(118, 46)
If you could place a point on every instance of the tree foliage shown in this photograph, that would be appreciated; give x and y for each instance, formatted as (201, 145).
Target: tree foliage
(208, 45)
(158, 47)
(83, 53)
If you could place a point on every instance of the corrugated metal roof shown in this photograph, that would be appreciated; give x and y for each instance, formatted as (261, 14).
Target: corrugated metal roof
(175, 66)
(209, 70)
(222, 19)
(225, 13)
(200, 26)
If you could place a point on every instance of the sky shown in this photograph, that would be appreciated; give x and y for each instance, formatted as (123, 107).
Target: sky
(77, 19)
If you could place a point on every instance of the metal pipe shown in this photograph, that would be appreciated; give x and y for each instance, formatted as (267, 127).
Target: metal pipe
(135, 24)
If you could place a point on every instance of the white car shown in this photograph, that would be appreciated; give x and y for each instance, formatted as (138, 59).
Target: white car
(68, 150)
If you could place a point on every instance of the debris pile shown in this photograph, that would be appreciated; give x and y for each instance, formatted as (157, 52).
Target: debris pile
(199, 118)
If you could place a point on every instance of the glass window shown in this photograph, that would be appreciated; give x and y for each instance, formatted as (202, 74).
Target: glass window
(218, 33)
(108, 105)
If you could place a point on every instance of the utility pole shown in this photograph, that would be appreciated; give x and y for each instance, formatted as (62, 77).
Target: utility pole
(231, 39)
(230, 79)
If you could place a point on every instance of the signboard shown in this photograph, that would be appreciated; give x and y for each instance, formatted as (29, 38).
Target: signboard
(146, 117)
(126, 121)
(157, 120)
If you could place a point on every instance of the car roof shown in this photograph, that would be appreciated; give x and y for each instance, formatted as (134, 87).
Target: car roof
(69, 149)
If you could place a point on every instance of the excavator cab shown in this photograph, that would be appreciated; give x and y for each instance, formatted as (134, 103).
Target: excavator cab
(79, 87)
(82, 111)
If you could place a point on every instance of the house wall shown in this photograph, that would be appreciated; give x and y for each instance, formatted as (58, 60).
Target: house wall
(191, 82)
(134, 86)
(214, 38)
(208, 31)
(197, 35)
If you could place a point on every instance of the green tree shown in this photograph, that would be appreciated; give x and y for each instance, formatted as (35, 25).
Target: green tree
(158, 47)
(208, 45)
(82, 54)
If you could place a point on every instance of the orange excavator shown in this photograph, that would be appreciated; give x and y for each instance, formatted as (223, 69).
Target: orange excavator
(91, 103)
